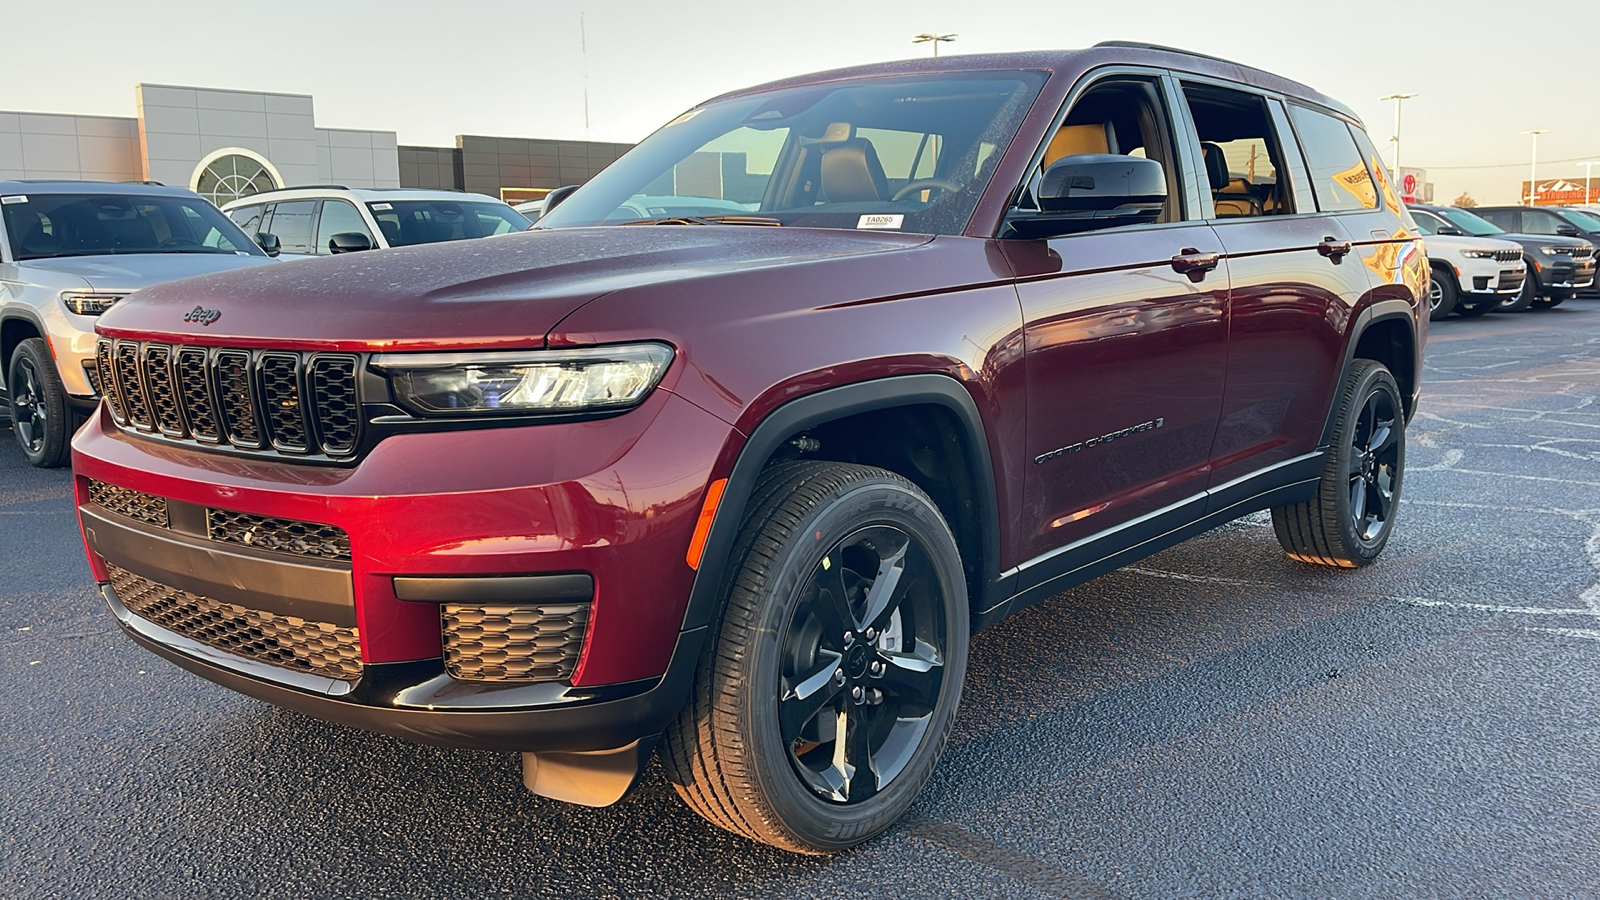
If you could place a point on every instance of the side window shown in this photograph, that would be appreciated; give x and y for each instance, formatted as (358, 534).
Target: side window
(248, 218)
(1503, 218)
(1537, 221)
(1386, 191)
(1242, 155)
(205, 233)
(338, 217)
(1338, 173)
(1425, 223)
(1121, 116)
(291, 222)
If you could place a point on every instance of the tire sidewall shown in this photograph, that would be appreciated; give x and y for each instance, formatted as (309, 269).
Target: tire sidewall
(1523, 298)
(1373, 379)
(1447, 295)
(52, 449)
(816, 821)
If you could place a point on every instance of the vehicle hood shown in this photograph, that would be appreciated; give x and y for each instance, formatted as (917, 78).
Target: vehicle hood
(133, 271)
(1456, 244)
(1541, 240)
(504, 291)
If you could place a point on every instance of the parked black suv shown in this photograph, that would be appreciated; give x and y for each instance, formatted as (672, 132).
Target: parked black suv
(1559, 265)
(1562, 220)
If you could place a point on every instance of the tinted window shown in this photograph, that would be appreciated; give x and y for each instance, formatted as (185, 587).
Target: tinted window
(1391, 200)
(1537, 221)
(407, 222)
(338, 217)
(1338, 173)
(1425, 223)
(1471, 224)
(46, 225)
(291, 222)
(1241, 152)
(1504, 218)
(1586, 220)
(248, 218)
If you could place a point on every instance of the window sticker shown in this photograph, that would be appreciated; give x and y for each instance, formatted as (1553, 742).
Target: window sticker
(380, 207)
(14, 198)
(880, 221)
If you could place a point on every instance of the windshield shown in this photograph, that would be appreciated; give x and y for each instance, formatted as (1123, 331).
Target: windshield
(40, 226)
(912, 153)
(1588, 221)
(407, 222)
(1474, 225)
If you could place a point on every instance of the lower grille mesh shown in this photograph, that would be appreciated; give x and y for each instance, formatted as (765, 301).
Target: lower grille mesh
(133, 504)
(513, 642)
(285, 641)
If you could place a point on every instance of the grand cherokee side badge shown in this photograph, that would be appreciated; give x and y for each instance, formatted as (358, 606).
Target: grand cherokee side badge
(202, 315)
(1151, 425)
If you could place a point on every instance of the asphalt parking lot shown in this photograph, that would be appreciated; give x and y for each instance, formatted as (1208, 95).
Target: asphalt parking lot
(1216, 721)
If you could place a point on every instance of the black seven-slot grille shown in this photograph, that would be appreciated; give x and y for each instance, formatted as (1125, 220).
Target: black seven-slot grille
(258, 400)
(1507, 255)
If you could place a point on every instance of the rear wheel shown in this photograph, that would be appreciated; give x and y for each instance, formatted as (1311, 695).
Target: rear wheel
(825, 699)
(1441, 293)
(1525, 297)
(39, 415)
(1349, 520)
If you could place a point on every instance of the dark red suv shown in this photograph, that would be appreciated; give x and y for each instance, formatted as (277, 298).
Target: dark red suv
(731, 453)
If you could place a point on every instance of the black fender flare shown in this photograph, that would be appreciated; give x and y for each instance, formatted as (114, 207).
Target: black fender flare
(1381, 311)
(705, 597)
(14, 315)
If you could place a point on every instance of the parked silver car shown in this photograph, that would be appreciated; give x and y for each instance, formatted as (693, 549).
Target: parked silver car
(68, 251)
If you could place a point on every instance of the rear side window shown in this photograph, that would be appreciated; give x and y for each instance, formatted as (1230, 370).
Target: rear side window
(1338, 173)
(1505, 218)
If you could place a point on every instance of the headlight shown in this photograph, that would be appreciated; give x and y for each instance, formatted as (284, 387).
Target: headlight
(1478, 254)
(525, 382)
(89, 303)
(1555, 251)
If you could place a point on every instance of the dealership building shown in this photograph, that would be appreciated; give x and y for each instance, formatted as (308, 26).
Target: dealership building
(229, 144)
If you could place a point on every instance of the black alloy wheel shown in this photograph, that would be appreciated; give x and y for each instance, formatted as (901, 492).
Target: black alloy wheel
(39, 415)
(830, 683)
(1348, 522)
(863, 664)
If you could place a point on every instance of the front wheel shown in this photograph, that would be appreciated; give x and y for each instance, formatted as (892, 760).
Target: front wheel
(1548, 302)
(1525, 297)
(1441, 294)
(39, 406)
(1349, 520)
(825, 699)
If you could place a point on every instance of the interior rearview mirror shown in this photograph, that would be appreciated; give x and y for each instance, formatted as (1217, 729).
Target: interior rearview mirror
(268, 242)
(1095, 190)
(349, 242)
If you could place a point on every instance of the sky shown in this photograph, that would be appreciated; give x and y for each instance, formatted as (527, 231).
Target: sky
(613, 71)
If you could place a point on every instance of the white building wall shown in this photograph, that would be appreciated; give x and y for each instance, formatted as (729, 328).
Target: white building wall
(49, 145)
(358, 158)
(179, 126)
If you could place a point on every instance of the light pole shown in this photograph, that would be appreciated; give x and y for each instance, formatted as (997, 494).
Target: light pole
(936, 39)
(1588, 170)
(1533, 167)
(1398, 99)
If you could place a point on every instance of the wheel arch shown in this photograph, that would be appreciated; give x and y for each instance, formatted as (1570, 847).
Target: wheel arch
(1385, 331)
(976, 524)
(15, 327)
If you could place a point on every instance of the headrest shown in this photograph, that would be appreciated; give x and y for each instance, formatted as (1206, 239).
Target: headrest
(1216, 166)
(852, 173)
(1072, 140)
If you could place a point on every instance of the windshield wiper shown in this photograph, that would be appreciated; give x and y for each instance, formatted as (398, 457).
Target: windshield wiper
(732, 219)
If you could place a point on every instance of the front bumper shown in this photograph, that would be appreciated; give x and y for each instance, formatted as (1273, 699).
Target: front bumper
(1565, 274)
(613, 499)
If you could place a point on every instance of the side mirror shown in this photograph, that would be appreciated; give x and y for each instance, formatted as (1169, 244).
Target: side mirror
(1567, 230)
(1095, 190)
(1450, 229)
(556, 198)
(349, 242)
(268, 242)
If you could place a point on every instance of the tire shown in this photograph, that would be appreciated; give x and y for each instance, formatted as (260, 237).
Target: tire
(1475, 310)
(1548, 302)
(1350, 519)
(1525, 297)
(39, 415)
(754, 750)
(1442, 294)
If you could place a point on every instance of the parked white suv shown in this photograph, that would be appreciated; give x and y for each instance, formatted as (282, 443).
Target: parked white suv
(320, 220)
(68, 251)
(1471, 275)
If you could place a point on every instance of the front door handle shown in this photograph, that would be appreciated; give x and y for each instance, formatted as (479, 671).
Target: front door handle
(1193, 263)
(1334, 249)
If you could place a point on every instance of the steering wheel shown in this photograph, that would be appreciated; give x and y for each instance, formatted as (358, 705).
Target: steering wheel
(177, 242)
(923, 183)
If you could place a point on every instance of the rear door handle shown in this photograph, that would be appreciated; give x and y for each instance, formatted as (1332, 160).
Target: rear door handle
(1193, 263)
(1334, 249)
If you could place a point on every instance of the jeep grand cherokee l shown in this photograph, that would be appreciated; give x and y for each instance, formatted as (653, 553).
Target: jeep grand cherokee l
(739, 485)
(1558, 265)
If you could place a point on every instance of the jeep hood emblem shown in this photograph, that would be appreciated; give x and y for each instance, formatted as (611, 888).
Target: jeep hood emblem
(202, 315)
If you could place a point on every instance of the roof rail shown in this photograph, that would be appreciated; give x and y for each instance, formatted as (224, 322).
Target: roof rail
(301, 187)
(144, 181)
(1141, 45)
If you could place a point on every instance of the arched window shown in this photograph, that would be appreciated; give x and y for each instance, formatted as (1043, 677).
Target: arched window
(229, 177)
